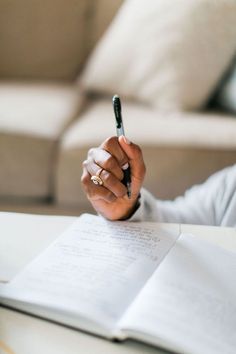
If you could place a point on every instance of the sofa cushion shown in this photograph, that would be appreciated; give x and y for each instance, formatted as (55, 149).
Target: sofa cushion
(32, 118)
(225, 97)
(50, 40)
(168, 54)
(180, 150)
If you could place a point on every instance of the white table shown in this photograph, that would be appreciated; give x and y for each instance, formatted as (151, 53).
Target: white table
(22, 237)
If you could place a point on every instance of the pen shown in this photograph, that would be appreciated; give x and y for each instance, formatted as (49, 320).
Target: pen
(120, 131)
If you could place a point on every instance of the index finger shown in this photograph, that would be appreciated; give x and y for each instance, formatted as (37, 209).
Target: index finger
(112, 146)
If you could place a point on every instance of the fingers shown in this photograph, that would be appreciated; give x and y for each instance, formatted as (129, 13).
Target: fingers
(112, 146)
(110, 182)
(105, 160)
(135, 156)
(109, 157)
(94, 192)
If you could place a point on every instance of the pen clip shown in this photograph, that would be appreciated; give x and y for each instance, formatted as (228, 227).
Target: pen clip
(117, 111)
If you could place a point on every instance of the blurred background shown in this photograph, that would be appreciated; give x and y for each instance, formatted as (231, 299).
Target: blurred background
(173, 64)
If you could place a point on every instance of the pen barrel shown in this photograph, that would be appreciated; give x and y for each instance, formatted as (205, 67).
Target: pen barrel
(120, 131)
(127, 176)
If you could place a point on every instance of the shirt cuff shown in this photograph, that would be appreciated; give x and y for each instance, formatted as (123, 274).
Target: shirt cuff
(147, 210)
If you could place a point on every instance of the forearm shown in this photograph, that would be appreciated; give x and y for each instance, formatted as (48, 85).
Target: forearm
(180, 210)
(211, 203)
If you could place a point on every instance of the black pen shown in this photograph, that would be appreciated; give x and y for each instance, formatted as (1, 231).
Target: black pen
(120, 131)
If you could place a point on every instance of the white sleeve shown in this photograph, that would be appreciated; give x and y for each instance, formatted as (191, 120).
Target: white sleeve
(211, 203)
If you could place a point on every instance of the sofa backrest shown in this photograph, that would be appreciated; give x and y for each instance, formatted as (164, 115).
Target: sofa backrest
(50, 39)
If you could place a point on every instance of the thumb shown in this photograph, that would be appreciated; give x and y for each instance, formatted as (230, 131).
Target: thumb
(135, 156)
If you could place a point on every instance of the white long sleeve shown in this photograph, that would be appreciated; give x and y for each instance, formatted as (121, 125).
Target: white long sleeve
(211, 203)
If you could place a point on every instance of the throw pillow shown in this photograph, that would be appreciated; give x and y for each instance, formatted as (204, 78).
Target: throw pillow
(226, 94)
(167, 53)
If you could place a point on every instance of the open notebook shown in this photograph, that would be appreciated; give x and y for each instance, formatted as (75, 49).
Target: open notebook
(143, 280)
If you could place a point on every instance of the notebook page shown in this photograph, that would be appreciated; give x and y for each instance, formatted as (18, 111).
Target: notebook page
(95, 268)
(189, 304)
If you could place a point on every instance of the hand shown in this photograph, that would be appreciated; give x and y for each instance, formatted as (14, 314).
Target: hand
(110, 199)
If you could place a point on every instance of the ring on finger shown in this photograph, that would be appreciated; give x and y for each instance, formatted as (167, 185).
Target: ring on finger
(96, 179)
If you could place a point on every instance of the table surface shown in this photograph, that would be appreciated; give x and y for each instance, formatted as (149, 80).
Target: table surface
(22, 237)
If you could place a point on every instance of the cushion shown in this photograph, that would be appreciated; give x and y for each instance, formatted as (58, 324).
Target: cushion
(50, 41)
(44, 42)
(170, 143)
(226, 94)
(167, 54)
(32, 118)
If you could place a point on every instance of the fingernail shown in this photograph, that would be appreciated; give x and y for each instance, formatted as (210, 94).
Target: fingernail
(126, 140)
(125, 166)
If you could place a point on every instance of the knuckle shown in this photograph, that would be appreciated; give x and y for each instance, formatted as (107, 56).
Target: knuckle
(120, 175)
(91, 151)
(137, 149)
(121, 192)
(85, 163)
(110, 196)
(109, 179)
(110, 141)
(92, 194)
(106, 176)
(110, 163)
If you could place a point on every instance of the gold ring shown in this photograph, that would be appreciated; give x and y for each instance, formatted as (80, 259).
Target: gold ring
(96, 179)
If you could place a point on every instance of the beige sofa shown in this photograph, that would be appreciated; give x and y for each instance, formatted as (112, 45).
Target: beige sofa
(47, 123)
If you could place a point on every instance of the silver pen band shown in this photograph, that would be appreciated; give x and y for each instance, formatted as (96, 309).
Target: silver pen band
(120, 131)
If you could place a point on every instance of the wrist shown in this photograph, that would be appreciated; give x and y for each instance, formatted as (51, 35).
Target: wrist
(133, 210)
